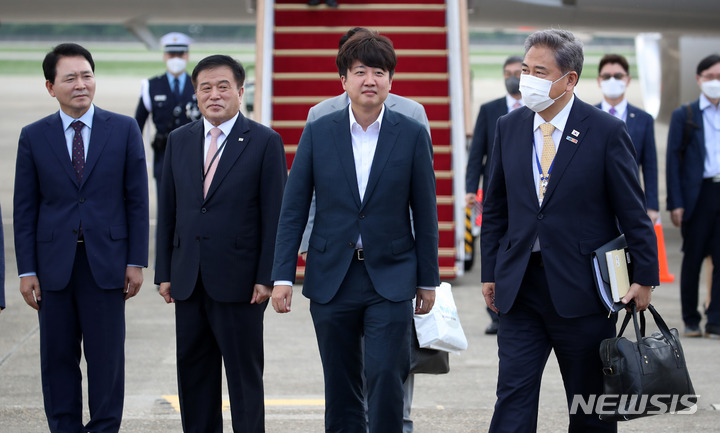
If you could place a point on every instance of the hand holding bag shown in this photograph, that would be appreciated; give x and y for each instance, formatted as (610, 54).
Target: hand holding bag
(646, 377)
(440, 328)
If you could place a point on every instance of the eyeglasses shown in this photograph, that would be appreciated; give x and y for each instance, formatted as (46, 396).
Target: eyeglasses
(508, 74)
(617, 76)
(709, 77)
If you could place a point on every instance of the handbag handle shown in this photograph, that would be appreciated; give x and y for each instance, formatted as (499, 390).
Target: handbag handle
(640, 330)
(628, 315)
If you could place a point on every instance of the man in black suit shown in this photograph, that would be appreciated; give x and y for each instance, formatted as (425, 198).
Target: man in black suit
(613, 78)
(482, 141)
(693, 187)
(220, 200)
(562, 176)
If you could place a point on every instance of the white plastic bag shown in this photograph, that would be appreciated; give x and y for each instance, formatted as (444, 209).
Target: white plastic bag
(440, 329)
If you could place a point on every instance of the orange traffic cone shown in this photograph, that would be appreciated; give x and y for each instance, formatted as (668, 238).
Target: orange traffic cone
(665, 275)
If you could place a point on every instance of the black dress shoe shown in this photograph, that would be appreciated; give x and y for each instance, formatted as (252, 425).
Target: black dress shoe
(712, 331)
(331, 3)
(313, 2)
(492, 328)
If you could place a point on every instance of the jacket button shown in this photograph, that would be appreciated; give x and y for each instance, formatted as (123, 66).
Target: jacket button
(351, 244)
(81, 199)
(540, 216)
(203, 210)
(362, 216)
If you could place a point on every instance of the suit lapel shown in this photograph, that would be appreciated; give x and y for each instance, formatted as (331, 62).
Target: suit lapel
(235, 143)
(99, 135)
(573, 135)
(343, 146)
(386, 141)
(525, 138)
(56, 141)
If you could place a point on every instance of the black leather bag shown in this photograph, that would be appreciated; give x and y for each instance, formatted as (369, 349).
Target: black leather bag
(427, 361)
(644, 377)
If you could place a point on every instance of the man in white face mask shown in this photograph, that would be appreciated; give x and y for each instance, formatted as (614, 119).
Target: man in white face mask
(693, 188)
(613, 79)
(169, 97)
(562, 177)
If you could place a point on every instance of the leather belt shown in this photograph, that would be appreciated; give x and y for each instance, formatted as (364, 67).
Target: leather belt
(359, 255)
(714, 179)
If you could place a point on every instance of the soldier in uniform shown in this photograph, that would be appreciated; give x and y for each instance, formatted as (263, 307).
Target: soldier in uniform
(169, 97)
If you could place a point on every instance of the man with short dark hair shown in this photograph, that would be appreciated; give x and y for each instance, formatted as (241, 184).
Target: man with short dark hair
(693, 188)
(613, 79)
(81, 240)
(369, 166)
(219, 205)
(563, 182)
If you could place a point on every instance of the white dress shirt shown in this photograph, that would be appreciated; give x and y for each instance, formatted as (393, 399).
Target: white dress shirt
(711, 130)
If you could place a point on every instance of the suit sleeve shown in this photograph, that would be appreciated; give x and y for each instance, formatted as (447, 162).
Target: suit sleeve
(626, 198)
(136, 198)
(649, 165)
(478, 150)
(495, 210)
(423, 201)
(26, 204)
(294, 212)
(167, 208)
(272, 184)
(672, 166)
(141, 112)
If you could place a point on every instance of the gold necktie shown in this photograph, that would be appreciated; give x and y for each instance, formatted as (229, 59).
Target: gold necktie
(546, 160)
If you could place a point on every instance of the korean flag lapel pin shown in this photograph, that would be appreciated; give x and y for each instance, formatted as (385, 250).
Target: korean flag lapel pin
(575, 133)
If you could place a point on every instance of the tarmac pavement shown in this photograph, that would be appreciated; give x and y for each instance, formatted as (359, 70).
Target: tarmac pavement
(461, 401)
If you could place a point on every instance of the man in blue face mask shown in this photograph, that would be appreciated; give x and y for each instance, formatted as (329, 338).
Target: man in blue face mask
(613, 79)
(693, 188)
(562, 176)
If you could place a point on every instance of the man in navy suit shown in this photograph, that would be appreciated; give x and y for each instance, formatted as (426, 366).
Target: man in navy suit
(81, 240)
(219, 206)
(562, 176)
(693, 188)
(613, 79)
(482, 141)
(368, 166)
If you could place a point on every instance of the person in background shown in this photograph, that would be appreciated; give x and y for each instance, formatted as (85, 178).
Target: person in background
(169, 97)
(482, 141)
(613, 79)
(563, 182)
(81, 240)
(693, 193)
(219, 206)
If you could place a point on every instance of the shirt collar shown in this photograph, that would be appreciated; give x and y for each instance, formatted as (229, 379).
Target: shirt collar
(225, 127)
(621, 108)
(377, 121)
(86, 118)
(559, 120)
(510, 101)
(705, 103)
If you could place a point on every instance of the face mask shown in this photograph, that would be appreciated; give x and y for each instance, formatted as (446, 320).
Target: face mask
(536, 92)
(512, 84)
(613, 88)
(175, 65)
(711, 89)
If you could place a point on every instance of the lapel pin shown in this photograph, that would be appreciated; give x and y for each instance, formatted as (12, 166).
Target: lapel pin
(241, 139)
(575, 133)
(573, 140)
(632, 114)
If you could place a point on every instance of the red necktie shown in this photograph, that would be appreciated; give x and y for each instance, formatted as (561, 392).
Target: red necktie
(78, 150)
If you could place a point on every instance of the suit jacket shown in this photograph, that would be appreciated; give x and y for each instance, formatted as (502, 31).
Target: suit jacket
(640, 126)
(402, 105)
(227, 238)
(401, 177)
(482, 141)
(593, 187)
(684, 178)
(111, 202)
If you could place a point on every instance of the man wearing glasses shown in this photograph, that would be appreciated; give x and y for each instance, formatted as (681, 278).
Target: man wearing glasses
(693, 188)
(613, 79)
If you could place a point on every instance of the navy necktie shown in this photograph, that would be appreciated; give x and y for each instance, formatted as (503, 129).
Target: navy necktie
(176, 87)
(78, 150)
